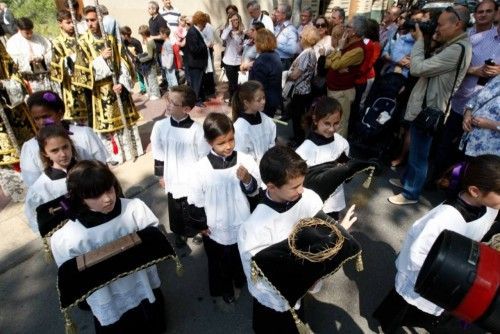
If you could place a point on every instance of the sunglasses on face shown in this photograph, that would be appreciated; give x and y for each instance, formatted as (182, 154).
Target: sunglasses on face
(320, 25)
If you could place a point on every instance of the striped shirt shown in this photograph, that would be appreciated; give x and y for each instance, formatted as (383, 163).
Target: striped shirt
(171, 15)
(485, 45)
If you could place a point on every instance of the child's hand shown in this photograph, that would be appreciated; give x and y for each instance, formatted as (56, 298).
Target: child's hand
(206, 232)
(349, 218)
(243, 175)
(162, 183)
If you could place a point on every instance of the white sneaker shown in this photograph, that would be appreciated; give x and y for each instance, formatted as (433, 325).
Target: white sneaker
(154, 98)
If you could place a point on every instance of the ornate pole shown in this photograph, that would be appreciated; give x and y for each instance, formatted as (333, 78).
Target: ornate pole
(9, 130)
(126, 130)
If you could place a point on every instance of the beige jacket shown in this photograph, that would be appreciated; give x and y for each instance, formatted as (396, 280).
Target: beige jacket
(439, 70)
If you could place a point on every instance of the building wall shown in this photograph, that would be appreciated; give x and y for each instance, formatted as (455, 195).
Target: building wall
(134, 12)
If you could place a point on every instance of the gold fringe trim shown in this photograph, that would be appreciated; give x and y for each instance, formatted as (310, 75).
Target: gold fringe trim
(359, 262)
(301, 327)
(67, 320)
(47, 253)
(69, 325)
(369, 179)
(179, 268)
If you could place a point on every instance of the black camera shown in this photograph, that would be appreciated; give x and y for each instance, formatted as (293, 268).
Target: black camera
(427, 27)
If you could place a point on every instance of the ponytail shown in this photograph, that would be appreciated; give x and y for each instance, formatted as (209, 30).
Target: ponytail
(245, 92)
(321, 108)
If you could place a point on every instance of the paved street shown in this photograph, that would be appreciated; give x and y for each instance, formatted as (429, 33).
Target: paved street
(29, 297)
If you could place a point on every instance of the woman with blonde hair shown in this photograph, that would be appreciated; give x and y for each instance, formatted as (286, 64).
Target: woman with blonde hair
(299, 76)
(267, 70)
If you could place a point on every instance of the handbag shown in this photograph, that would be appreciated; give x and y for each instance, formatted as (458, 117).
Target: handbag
(430, 118)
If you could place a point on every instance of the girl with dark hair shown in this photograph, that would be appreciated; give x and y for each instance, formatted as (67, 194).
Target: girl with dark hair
(132, 303)
(46, 107)
(324, 144)
(221, 183)
(255, 132)
(58, 155)
(471, 213)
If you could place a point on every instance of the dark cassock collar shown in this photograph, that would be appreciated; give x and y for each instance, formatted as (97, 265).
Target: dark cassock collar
(469, 212)
(89, 218)
(219, 162)
(253, 119)
(185, 123)
(277, 206)
(319, 139)
(57, 174)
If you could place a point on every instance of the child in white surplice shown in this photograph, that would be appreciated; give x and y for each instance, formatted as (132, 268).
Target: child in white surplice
(130, 304)
(58, 155)
(178, 143)
(221, 182)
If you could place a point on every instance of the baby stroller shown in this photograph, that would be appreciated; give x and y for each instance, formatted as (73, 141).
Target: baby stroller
(375, 133)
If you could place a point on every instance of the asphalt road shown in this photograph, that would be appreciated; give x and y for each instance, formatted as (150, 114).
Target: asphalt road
(344, 305)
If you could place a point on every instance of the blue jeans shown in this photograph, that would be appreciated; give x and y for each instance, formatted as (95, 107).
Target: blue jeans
(414, 176)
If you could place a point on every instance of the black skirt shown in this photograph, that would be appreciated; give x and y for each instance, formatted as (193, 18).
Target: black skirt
(145, 318)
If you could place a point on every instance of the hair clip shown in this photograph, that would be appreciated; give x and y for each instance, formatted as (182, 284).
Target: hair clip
(48, 121)
(49, 97)
(456, 175)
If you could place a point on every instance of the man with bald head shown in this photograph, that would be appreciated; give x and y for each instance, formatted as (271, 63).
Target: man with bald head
(388, 27)
(438, 77)
(256, 15)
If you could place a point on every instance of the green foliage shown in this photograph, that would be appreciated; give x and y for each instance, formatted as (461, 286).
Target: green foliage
(41, 12)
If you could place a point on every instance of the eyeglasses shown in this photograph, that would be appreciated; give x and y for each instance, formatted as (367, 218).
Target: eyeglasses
(450, 9)
(170, 102)
(321, 25)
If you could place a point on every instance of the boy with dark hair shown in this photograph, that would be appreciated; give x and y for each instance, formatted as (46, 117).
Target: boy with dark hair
(177, 143)
(133, 47)
(167, 57)
(284, 203)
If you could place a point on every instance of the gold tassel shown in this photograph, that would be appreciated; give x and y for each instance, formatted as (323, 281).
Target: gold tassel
(301, 327)
(368, 180)
(47, 253)
(179, 268)
(254, 272)
(359, 263)
(69, 325)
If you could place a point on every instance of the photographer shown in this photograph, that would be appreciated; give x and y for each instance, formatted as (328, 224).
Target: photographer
(485, 64)
(438, 76)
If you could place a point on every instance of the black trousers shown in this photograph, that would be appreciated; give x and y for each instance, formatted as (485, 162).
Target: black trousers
(232, 77)
(224, 268)
(355, 115)
(394, 312)
(176, 208)
(145, 318)
(196, 81)
(269, 321)
(298, 107)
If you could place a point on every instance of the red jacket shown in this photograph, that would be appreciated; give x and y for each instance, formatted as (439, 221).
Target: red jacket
(366, 70)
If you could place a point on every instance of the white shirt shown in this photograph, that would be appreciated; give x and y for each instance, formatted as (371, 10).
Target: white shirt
(317, 154)
(234, 46)
(171, 16)
(266, 21)
(219, 192)
(419, 241)
(179, 149)
(42, 191)
(23, 51)
(254, 140)
(110, 302)
(87, 145)
(264, 228)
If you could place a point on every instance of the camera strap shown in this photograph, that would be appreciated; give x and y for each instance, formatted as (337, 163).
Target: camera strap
(460, 59)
